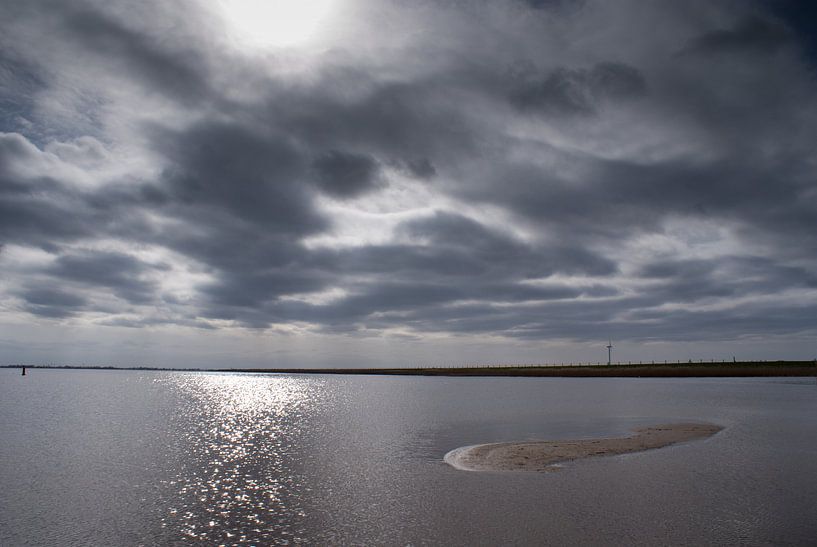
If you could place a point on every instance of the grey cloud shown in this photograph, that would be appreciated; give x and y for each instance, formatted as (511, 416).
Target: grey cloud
(37, 222)
(616, 198)
(236, 194)
(460, 260)
(450, 232)
(639, 317)
(744, 321)
(232, 169)
(447, 246)
(589, 322)
(678, 268)
(395, 122)
(397, 296)
(560, 319)
(43, 211)
(421, 168)
(753, 33)
(408, 260)
(151, 321)
(422, 304)
(253, 289)
(19, 83)
(122, 274)
(14, 148)
(84, 151)
(180, 74)
(34, 211)
(345, 174)
(739, 276)
(616, 81)
(576, 91)
(51, 302)
(561, 5)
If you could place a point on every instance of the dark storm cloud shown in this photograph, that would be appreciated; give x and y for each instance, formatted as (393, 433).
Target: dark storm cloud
(421, 168)
(453, 234)
(753, 33)
(693, 280)
(253, 289)
(408, 304)
(616, 198)
(743, 321)
(37, 211)
(801, 17)
(406, 122)
(459, 260)
(576, 91)
(589, 322)
(546, 157)
(50, 302)
(38, 222)
(121, 274)
(231, 169)
(554, 4)
(44, 211)
(678, 268)
(395, 298)
(345, 174)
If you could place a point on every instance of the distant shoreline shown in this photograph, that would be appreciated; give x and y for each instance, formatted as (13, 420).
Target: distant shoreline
(543, 455)
(724, 369)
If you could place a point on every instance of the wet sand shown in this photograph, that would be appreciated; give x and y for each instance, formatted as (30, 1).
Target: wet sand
(542, 455)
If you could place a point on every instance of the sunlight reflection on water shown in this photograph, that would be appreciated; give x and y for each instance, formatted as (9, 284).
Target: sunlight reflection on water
(237, 480)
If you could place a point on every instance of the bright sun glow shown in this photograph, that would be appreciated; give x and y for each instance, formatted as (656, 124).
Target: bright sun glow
(276, 23)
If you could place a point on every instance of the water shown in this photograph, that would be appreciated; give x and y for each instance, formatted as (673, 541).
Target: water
(144, 458)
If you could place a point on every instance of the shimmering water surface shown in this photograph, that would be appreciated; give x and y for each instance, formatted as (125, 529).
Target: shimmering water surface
(145, 458)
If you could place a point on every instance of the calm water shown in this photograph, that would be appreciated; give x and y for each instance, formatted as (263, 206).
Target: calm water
(133, 458)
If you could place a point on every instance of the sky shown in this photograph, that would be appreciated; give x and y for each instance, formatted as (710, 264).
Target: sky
(341, 183)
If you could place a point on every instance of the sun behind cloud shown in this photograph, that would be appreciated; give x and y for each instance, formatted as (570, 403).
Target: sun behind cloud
(275, 23)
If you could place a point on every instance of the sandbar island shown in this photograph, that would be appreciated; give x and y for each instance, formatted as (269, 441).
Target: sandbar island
(543, 455)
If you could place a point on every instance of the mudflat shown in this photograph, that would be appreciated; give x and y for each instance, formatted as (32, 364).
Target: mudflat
(542, 455)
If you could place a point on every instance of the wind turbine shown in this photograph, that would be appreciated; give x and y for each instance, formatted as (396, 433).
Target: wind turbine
(609, 352)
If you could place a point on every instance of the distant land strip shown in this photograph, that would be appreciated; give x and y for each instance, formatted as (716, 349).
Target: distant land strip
(724, 369)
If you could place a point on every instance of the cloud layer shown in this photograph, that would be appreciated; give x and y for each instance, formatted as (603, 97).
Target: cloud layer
(520, 172)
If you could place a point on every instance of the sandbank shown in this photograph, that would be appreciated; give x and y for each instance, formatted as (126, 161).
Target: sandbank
(542, 455)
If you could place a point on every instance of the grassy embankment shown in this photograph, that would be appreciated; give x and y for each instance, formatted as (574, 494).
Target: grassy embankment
(725, 369)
